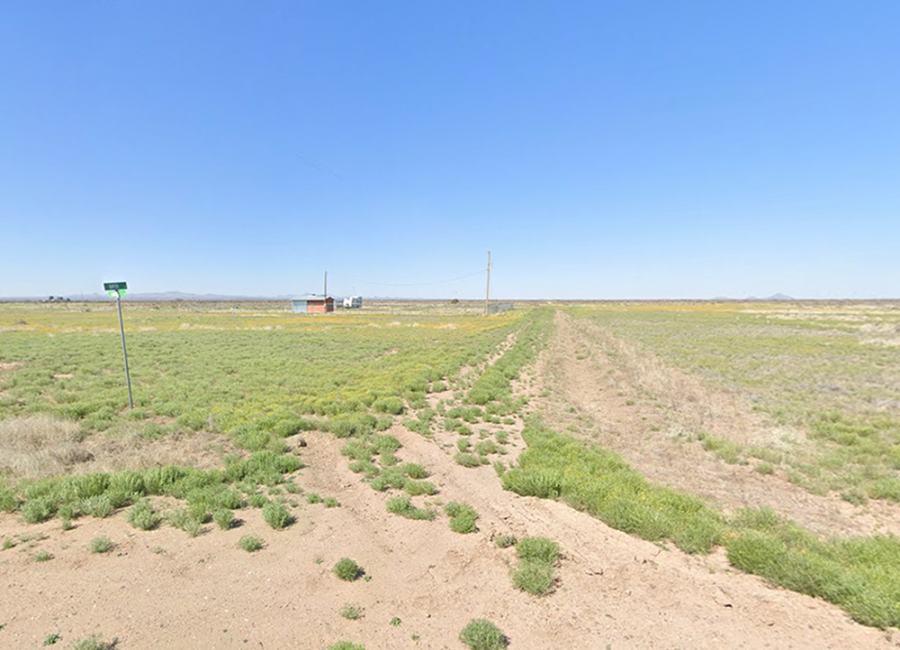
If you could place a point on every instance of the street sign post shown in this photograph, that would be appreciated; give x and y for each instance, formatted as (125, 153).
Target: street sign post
(117, 290)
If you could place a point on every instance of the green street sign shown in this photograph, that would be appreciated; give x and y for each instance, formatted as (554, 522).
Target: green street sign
(114, 286)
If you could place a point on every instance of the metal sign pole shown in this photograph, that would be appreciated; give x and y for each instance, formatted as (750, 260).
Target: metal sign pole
(124, 351)
(118, 289)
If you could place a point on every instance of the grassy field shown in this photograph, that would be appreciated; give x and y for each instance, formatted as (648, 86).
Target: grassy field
(829, 371)
(244, 373)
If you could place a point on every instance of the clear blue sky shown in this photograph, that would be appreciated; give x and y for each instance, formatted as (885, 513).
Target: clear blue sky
(654, 149)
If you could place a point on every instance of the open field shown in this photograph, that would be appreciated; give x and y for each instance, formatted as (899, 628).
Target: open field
(579, 477)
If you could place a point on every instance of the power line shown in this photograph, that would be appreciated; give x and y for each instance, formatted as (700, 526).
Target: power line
(416, 284)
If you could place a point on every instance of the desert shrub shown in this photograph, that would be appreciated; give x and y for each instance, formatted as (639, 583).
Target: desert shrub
(404, 507)
(345, 645)
(392, 477)
(187, 520)
(467, 459)
(276, 515)
(539, 549)
(385, 444)
(417, 488)
(505, 541)
(97, 506)
(357, 449)
(37, 510)
(415, 471)
(92, 643)
(43, 556)
(224, 518)
(481, 634)
(143, 516)
(392, 405)
(535, 578)
(351, 612)
(250, 544)
(534, 573)
(331, 502)
(345, 425)
(365, 467)
(257, 500)
(347, 569)
(486, 447)
(101, 545)
(462, 517)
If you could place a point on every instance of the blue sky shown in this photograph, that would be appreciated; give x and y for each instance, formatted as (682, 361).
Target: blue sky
(650, 149)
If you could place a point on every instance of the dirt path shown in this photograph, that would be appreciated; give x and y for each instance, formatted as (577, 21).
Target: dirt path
(629, 401)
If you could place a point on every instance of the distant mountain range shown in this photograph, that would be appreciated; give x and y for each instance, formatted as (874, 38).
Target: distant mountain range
(152, 297)
(773, 297)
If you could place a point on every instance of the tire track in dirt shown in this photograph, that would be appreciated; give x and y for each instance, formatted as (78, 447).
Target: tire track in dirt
(586, 393)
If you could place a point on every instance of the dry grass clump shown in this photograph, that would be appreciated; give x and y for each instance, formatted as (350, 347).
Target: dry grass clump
(37, 446)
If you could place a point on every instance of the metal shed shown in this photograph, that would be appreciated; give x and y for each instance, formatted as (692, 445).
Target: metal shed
(312, 304)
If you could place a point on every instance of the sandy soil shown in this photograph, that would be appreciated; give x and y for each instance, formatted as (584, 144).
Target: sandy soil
(163, 589)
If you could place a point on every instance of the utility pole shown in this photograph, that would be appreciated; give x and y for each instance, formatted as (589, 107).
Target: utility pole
(325, 293)
(487, 293)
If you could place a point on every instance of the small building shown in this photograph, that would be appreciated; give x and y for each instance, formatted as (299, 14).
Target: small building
(312, 304)
(353, 302)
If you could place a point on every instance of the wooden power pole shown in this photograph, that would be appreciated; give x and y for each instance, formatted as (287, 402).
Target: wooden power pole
(487, 293)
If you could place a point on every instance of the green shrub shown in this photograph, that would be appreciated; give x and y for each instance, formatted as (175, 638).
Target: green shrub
(101, 545)
(539, 549)
(250, 544)
(345, 645)
(224, 518)
(277, 516)
(467, 460)
(351, 612)
(462, 517)
(347, 569)
(392, 405)
(345, 425)
(415, 471)
(37, 510)
(143, 516)
(417, 488)
(481, 634)
(486, 447)
(97, 506)
(92, 643)
(535, 578)
(403, 506)
(505, 541)
(390, 478)
(331, 502)
(385, 444)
